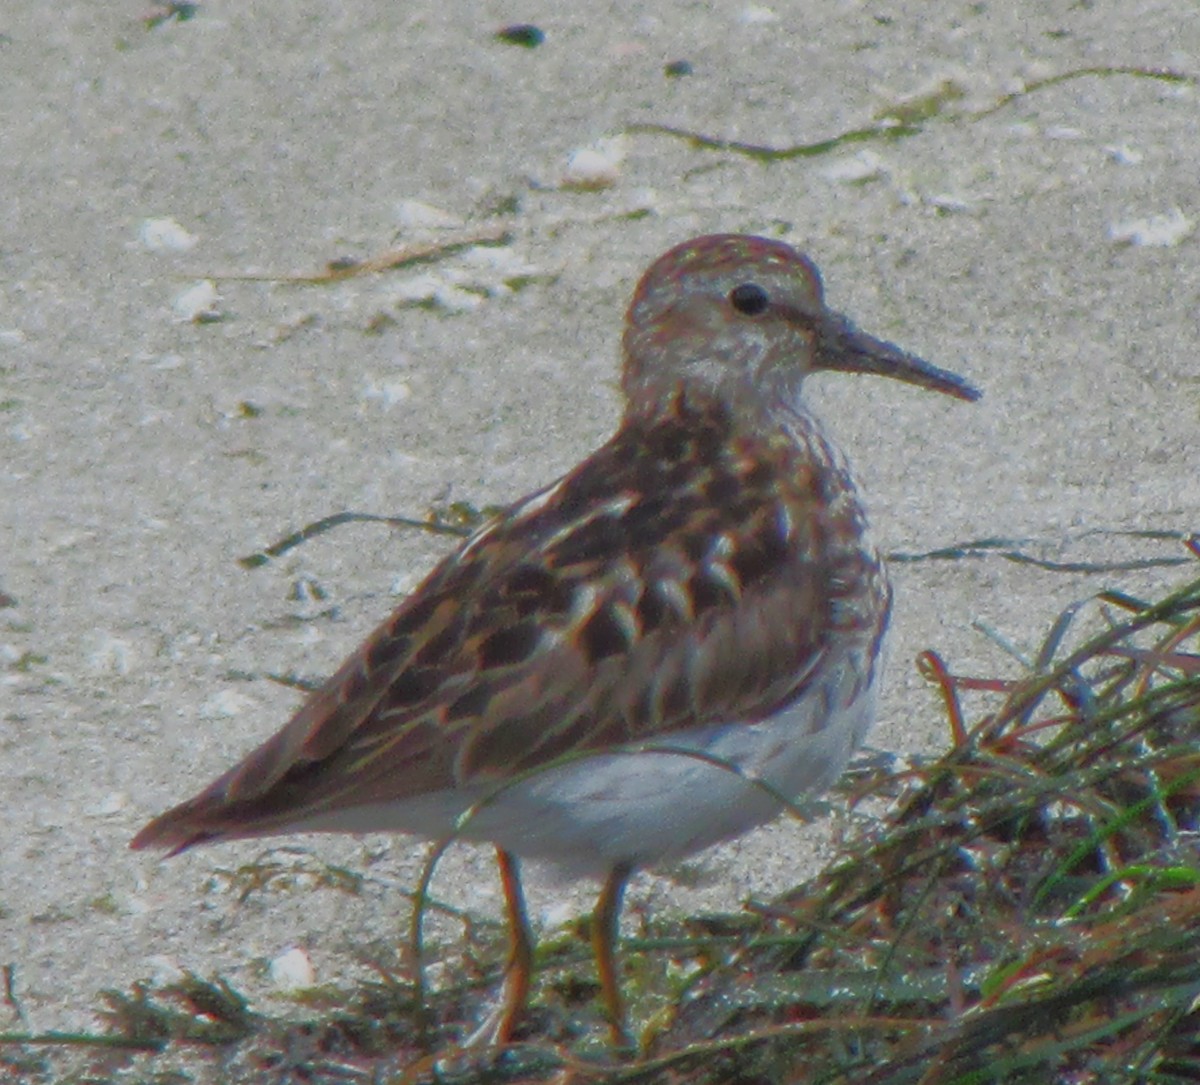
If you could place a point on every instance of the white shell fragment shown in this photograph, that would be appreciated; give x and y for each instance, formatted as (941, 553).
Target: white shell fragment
(198, 304)
(1154, 231)
(109, 654)
(115, 802)
(435, 292)
(404, 583)
(387, 392)
(292, 970)
(225, 705)
(855, 168)
(597, 166)
(415, 215)
(1123, 154)
(165, 235)
(756, 15)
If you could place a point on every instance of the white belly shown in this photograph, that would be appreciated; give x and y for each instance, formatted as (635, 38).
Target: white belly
(647, 806)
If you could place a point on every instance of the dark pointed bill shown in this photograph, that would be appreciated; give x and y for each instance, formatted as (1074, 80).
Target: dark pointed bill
(842, 346)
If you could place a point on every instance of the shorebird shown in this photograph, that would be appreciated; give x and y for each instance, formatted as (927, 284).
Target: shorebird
(639, 660)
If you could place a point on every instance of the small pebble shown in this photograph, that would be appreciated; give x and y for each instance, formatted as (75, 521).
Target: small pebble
(526, 35)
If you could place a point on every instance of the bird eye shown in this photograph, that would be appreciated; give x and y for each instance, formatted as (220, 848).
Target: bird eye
(750, 299)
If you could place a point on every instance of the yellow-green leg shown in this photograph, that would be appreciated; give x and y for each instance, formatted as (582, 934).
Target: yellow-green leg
(519, 973)
(606, 927)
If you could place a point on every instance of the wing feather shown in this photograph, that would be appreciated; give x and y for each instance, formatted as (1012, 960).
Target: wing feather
(678, 577)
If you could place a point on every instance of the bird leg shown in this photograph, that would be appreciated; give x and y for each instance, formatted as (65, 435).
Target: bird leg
(496, 1030)
(606, 927)
(519, 972)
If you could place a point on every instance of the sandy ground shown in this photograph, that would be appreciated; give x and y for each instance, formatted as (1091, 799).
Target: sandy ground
(1036, 234)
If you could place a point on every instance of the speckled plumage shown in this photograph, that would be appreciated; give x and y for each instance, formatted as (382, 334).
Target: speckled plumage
(702, 582)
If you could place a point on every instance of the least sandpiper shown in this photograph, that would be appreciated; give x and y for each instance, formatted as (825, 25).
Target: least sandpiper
(639, 660)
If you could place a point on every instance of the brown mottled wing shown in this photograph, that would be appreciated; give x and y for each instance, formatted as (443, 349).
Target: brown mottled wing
(672, 579)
